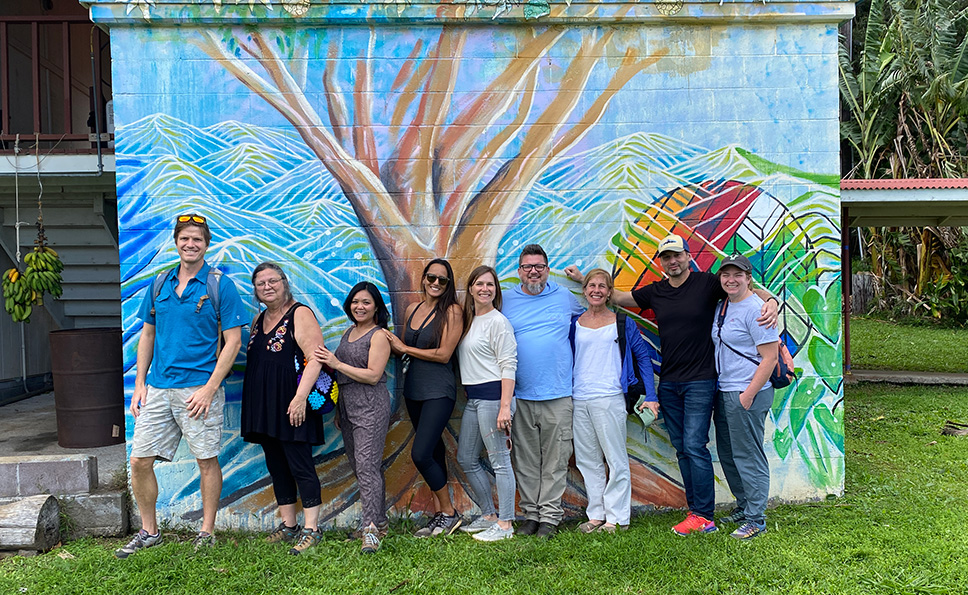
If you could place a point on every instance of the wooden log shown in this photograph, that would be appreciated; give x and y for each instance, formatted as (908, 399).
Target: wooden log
(29, 523)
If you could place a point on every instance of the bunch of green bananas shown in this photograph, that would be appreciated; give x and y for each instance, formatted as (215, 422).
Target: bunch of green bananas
(18, 298)
(43, 271)
(42, 275)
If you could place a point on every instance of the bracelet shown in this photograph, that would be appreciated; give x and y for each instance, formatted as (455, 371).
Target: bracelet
(774, 298)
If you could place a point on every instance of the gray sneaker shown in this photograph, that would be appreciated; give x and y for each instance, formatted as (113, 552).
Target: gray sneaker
(440, 524)
(737, 516)
(203, 540)
(140, 541)
(495, 533)
(479, 524)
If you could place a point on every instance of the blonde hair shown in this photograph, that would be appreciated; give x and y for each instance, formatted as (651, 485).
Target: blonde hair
(608, 282)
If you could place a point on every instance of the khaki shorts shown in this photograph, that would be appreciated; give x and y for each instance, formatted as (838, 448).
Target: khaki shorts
(164, 418)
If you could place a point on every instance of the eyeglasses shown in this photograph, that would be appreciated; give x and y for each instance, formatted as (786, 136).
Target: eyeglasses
(267, 282)
(431, 278)
(193, 218)
(537, 267)
(507, 436)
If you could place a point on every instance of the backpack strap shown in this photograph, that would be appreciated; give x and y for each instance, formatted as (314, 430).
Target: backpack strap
(620, 327)
(719, 334)
(157, 284)
(211, 286)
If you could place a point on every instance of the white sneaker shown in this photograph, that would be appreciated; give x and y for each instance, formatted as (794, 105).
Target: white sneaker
(495, 533)
(479, 524)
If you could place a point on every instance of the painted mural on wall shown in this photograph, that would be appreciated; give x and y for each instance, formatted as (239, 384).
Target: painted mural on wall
(359, 153)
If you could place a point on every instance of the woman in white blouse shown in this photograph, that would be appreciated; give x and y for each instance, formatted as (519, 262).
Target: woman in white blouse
(602, 376)
(488, 362)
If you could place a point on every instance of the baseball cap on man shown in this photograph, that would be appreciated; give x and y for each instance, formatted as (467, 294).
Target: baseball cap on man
(737, 260)
(672, 243)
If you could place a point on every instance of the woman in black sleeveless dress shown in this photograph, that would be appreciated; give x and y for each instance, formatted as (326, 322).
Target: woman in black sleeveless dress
(274, 412)
(430, 338)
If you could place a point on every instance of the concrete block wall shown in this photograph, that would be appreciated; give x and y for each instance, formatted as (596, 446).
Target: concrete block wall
(348, 152)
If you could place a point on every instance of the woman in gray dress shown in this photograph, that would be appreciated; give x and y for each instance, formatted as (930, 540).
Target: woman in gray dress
(363, 408)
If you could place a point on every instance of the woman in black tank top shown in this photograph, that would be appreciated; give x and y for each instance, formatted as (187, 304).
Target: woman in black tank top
(430, 338)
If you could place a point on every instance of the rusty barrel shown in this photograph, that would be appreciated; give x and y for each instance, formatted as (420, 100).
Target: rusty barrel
(88, 386)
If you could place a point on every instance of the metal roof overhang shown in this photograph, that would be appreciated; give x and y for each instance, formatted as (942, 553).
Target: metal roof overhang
(909, 207)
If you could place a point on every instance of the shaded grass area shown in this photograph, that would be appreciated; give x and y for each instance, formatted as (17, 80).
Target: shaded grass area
(883, 345)
(900, 528)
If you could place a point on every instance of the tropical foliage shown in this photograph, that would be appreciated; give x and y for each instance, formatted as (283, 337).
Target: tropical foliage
(906, 91)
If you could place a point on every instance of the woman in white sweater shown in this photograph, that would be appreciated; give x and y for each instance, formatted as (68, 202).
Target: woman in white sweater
(488, 360)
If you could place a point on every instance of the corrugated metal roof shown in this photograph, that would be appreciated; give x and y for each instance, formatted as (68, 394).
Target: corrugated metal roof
(905, 184)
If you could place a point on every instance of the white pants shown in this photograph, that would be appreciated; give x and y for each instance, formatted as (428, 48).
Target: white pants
(600, 435)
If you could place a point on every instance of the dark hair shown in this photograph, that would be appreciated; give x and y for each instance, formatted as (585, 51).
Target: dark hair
(180, 225)
(287, 290)
(533, 250)
(469, 299)
(381, 316)
(446, 300)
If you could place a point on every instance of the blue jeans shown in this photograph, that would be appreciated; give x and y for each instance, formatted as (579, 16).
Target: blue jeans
(687, 409)
(478, 429)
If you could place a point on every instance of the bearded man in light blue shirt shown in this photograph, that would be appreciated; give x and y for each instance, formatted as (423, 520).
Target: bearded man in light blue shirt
(540, 312)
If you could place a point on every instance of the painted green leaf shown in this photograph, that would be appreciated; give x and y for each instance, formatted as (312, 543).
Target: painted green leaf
(782, 441)
(832, 424)
(809, 392)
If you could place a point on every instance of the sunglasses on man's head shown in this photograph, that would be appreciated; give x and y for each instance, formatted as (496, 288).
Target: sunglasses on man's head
(193, 218)
(431, 278)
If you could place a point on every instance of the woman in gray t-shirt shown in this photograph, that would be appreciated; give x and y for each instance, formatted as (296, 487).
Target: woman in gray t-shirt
(746, 354)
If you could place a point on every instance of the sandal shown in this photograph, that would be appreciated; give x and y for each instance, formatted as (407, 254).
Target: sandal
(590, 526)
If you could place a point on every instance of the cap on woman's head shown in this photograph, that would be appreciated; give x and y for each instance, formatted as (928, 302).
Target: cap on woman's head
(736, 260)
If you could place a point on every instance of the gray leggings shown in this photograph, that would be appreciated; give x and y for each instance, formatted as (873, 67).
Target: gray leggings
(364, 420)
(478, 428)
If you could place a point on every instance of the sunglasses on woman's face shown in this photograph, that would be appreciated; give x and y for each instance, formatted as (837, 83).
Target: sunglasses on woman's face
(193, 218)
(432, 278)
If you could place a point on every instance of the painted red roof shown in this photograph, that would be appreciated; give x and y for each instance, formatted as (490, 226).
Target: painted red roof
(904, 184)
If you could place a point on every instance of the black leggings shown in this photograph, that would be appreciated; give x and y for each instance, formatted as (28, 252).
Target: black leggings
(289, 464)
(428, 452)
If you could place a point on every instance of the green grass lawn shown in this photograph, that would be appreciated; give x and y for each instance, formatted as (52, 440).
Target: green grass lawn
(882, 345)
(900, 528)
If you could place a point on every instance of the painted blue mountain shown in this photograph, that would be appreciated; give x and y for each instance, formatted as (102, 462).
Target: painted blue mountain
(160, 134)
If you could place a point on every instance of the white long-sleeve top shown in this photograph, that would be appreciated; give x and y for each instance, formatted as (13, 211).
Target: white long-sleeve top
(488, 352)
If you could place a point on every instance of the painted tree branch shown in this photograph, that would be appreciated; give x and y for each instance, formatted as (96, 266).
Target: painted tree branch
(339, 118)
(468, 180)
(361, 186)
(504, 194)
(410, 175)
(629, 68)
(363, 139)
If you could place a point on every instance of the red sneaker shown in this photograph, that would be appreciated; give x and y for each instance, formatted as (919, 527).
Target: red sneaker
(694, 524)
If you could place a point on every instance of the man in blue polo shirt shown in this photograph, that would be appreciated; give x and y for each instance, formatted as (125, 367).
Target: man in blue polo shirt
(540, 312)
(178, 387)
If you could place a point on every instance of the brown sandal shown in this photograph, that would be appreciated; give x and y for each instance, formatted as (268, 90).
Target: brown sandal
(590, 526)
